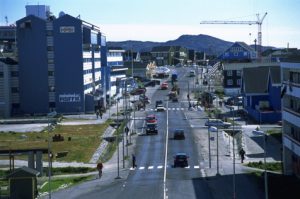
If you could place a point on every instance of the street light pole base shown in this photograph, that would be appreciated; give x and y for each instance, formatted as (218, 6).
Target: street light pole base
(118, 177)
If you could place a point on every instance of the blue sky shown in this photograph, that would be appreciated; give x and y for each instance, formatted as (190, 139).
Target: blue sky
(163, 20)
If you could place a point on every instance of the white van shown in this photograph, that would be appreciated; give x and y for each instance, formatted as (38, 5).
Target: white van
(192, 73)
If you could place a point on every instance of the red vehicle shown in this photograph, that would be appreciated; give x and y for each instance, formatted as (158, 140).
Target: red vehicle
(151, 119)
(164, 86)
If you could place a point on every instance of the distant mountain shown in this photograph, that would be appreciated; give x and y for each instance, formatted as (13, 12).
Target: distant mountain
(201, 43)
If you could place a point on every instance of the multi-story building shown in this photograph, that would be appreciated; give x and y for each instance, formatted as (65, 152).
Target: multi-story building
(169, 55)
(60, 65)
(9, 87)
(290, 73)
(232, 73)
(41, 11)
(116, 70)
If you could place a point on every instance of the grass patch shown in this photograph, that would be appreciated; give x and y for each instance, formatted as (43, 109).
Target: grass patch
(63, 183)
(70, 170)
(271, 166)
(84, 140)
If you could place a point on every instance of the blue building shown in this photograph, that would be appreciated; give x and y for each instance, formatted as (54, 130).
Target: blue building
(239, 52)
(116, 70)
(261, 89)
(60, 65)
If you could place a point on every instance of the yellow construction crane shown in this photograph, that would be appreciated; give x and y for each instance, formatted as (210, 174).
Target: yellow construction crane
(259, 22)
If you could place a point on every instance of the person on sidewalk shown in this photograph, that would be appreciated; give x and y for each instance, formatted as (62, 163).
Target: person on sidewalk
(133, 161)
(101, 114)
(97, 113)
(242, 154)
(99, 168)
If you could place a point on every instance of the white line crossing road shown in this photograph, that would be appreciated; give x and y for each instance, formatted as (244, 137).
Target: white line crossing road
(161, 167)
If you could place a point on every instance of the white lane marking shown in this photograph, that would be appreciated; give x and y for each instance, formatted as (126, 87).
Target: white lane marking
(150, 167)
(196, 167)
(166, 156)
(141, 168)
(187, 167)
(131, 168)
(160, 167)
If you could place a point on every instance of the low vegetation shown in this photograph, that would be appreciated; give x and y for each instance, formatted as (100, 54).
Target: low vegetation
(79, 142)
(271, 166)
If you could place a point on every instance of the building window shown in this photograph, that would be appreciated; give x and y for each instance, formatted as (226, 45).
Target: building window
(50, 73)
(14, 74)
(229, 73)
(238, 73)
(51, 88)
(15, 90)
(238, 82)
(229, 82)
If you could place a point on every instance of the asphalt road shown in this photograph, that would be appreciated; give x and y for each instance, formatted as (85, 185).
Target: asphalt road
(155, 177)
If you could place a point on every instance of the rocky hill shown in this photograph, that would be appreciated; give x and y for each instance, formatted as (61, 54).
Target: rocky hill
(201, 43)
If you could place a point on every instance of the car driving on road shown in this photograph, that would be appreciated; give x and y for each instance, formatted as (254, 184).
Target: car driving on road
(160, 107)
(179, 134)
(151, 128)
(181, 160)
(151, 119)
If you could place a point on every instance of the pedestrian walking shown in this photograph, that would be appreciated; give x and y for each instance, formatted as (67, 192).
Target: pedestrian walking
(242, 154)
(133, 161)
(100, 113)
(97, 113)
(99, 168)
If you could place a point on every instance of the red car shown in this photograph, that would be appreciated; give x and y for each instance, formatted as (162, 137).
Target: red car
(164, 86)
(151, 119)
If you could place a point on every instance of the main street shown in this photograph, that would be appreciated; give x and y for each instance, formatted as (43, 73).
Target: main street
(155, 175)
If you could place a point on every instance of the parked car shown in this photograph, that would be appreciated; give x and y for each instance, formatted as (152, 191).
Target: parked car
(151, 128)
(181, 159)
(179, 134)
(164, 86)
(151, 119)
(217, 123)
(160, 107)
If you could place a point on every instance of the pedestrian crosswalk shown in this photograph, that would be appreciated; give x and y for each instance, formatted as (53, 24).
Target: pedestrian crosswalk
(159, 167)
(178, 109)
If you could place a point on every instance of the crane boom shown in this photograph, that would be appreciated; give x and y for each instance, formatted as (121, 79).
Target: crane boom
(259, 22)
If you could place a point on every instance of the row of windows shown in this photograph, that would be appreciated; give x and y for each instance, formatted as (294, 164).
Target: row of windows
(230, 73)
(12, 74)
(292, 131)
(230, 82)
(292, 103)
(115, 63)
(295, 77)
(114, 54)
(89, 60)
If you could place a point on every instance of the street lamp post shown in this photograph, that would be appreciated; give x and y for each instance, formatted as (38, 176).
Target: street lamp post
(118, 149)
(218, 151)
(233, 152)
(50, 126)
(264, 135)
(209, 156)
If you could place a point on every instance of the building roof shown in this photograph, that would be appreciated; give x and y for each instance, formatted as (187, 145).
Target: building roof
(21, 172)
(256, 79)
(245, 46)
(161, 48)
